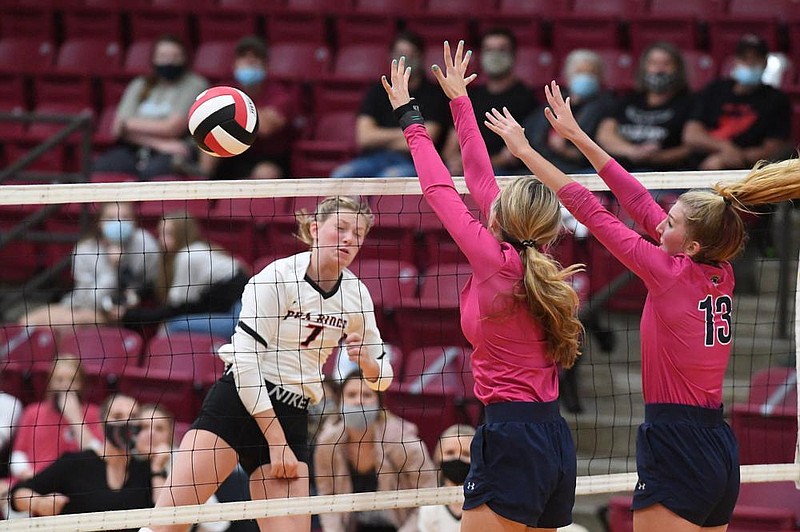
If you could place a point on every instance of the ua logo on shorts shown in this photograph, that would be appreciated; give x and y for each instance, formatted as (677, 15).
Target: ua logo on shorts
(470, 486)
(640, 485)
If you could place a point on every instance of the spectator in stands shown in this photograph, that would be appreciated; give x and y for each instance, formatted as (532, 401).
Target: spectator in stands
(384, 152)
(10, 412)
(500, 88)
(369, 449)
(583, 72)
(200, 288)
(118, 261)
(738, 121)
(150, 125)
(644, 130)
(154, 439)
(62, 423)
(268, 157)
(452, 458)
(95, 480)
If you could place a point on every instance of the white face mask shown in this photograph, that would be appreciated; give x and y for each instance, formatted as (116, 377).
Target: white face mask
(359, 417)
(496, 63)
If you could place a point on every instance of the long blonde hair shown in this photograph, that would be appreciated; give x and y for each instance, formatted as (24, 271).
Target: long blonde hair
(713, 219)
(529, 216)
(325, 209)
(187, 232)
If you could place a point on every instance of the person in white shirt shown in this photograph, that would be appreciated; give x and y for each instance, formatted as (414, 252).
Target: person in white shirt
(295, 312)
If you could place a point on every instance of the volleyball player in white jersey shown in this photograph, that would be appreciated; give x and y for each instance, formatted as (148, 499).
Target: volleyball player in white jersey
(295, 312)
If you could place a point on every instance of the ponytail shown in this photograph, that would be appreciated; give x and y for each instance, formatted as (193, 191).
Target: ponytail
(553, 302)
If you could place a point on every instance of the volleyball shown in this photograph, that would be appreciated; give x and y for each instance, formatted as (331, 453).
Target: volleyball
(223, 121)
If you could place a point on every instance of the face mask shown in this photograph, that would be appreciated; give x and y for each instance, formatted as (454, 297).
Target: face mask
(746, 75)
(169, 72)
(249, 75)
(496, 63)
(117, 231)
(359, 417)
(455, 471)
(659, 82)
(583, 85)
(121, 435)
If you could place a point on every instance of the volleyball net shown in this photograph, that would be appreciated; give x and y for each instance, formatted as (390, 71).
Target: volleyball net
(414, 273)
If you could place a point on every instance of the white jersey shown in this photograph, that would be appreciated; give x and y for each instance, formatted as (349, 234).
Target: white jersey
(289, 326)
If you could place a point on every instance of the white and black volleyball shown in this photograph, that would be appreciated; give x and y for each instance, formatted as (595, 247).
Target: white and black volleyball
(223, 121)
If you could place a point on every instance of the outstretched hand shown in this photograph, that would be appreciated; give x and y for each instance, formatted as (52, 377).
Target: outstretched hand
(453, 80)
(398, 90)
(559, 114)
(509, 130)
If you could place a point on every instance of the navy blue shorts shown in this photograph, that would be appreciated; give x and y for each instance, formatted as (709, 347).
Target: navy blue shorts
(224, 414)
(523, 465)
(688, 461)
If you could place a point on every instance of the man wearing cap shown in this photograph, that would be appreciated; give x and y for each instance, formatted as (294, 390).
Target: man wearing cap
(739, 121)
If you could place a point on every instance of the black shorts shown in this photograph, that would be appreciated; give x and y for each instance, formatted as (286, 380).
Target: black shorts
(523, 465)
(688, 461)
(224, 415)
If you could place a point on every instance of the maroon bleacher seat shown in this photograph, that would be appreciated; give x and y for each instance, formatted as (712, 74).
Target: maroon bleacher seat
(591, 31)
(365, 28)
(535, 66)
(298, 61)
(138, 57)
(264, 6)
(782, 9)
(13, 99)
(538, 8)
(89, 56)
(342, 95)
(475, 8)
(332, 143)
(397, 8)
(225, 24)
(767, 506)
(527, 32)
(436, 28)
(702, 10)
(318, 6)
(20, 348)
(701, 68)
(96, 22)
(183, 5)
(28, 21)
(214, 59)
(645, 30)
(150, 24)
(27, 55)
(364, 62)
(60, 89)
(399, 222)
(430, 412)
(438, 369)
(724, 33)
(306, 27)
(619, 68)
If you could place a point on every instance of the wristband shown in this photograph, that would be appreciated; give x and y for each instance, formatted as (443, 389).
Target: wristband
(408, 114)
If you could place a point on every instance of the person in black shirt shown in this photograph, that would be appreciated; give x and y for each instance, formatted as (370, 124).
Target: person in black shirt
(740, 121)
(644, 130)
(501, 89)
(87, 482)
(384, 152)
(583, 70)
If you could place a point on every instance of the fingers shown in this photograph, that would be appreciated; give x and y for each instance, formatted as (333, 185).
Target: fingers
(437, 73)
(470, 79)
(465, 61)
(459, 53)
(548, 114)
(385, 83)
(448, 57)
(492, 127)
(509, 116)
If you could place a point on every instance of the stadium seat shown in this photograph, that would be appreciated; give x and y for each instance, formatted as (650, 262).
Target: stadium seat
(430, 412)
(183, 5)
(399, 224)
(105, 353)
(332, 143)
(782, 9)
(528, 32)
(307, 28)
(294, 61)
(29, 22)
(265, 6)
(103, 138)
(74, 90)
(20, 349)
(766, 426)
(704, 10)
(604, 269)
(342, 95)
(535, 66)
(214, 59)
(475, 8)
(317, 6)
(89, 56)
(645, 30)
(724, 33)
(766, 506)
(376, 29)
(534, 8)
(397, 8)
(97, 22)
(225, 24)
(240, 224)
(437, 369)
(617, 8)
(436, 28)
(151, 212)
(13, 99)
(150, 24)
(138, 57)
(591, 31)
(700, 68)
(26, 55)
(361, 62)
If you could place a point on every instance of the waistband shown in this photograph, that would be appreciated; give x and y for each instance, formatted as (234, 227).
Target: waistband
(671, 413)
(277, 393)
(522, 412)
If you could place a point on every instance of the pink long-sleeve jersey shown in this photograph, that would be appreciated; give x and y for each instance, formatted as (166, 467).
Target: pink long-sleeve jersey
(686, 325)
(510, 358)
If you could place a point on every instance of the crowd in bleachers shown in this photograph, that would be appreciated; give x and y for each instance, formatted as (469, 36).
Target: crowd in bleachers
(153, 321)
(313, 60)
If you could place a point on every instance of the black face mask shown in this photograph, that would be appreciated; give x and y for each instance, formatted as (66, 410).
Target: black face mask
(455, 471)
(121, 435)
(659, 82)
(169, 72)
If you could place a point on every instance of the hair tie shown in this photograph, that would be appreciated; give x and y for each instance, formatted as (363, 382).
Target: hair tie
(528, 244)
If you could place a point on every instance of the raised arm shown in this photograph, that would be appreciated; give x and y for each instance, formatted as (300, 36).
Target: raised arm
(633, 197)
(478, 171)
(481, 248)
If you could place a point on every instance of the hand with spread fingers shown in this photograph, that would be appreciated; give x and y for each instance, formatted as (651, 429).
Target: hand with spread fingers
(398, 89)
(509, 130)
(454, 80)
(559, 114)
